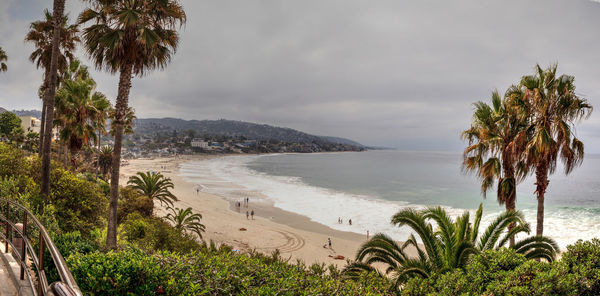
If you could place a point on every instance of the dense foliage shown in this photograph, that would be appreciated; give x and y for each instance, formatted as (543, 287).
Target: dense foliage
(505, 272)
(208, 272)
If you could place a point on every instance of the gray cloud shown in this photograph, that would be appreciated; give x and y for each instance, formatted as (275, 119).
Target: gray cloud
(395, 73)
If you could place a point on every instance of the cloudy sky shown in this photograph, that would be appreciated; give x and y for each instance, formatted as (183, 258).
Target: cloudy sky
(392, 73)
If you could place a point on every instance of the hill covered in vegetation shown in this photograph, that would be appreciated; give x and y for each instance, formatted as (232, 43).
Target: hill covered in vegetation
(233, 128)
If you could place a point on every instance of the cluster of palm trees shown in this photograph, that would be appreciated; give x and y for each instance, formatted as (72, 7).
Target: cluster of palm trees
(526, 131)
(129, 37)
(155, 186)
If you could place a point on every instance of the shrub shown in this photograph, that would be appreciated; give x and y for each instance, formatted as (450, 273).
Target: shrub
(153, 234)
(131, 201)
(582, 260)
(129, 272)
(207, 272)
(80, 204)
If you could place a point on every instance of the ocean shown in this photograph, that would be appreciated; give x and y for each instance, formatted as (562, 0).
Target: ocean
(369, 187)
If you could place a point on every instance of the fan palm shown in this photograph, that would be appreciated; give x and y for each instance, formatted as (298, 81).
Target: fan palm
(41, 34)
(129, 37)
(494, 149)
(153, 185)
(104, 159)
(185, 220)
(447, 246)
(553, 108)
(79, 109)
(3, 58)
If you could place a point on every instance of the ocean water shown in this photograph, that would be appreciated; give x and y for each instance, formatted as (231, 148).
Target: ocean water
(369, 187)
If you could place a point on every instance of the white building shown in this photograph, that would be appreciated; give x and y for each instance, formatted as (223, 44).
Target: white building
(199, 143)
(30, 124)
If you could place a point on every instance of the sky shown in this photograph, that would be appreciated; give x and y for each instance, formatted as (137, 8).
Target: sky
(395, 73)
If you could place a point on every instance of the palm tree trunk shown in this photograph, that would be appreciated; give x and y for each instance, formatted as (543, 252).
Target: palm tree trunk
(59, 7)
(44, 106)
(541, 176)
(120, 112)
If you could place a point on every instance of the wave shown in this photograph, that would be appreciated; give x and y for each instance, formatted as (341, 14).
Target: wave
(231, 178)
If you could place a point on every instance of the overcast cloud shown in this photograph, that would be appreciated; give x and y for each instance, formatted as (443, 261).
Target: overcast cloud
(392, 73)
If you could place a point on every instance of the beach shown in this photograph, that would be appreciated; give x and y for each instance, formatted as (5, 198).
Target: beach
(295, 236)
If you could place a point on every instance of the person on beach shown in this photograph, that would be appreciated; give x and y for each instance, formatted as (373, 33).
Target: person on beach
(367, 235)
(350, 221)
(247, 215)
(252, 214)
(339, 220)
(329, 242)
(197, 190)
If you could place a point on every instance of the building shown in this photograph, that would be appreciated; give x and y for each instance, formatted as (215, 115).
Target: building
(199, 143)
(30, 124)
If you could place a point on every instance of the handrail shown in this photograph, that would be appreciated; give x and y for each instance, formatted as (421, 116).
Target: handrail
(67, 286)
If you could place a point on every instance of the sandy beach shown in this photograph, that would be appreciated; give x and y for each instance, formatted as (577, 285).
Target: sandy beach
(295, 236)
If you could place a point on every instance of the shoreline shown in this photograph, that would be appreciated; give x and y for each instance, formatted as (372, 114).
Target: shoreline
(294, 235)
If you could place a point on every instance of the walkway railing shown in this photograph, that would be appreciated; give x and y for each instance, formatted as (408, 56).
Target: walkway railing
(32, 233)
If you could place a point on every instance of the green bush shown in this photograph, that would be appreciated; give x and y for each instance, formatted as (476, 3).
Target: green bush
(582, 260)
(131, 201)
(67, 244)
(207, 272)
(80, 204)
(153, 234)
(129, 272)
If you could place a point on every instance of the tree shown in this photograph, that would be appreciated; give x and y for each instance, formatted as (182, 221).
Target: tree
(31, 142)
(80, 110)
(153, 185)
(553, 108)
(494, 150)
(59, 7)
(447, 246)
(41, 35)
(104, 160)
(3, 58)
(10, 128)
(130, 37)
(186, 220)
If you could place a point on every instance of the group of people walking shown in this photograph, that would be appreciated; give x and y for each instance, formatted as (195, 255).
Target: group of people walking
(246, 202)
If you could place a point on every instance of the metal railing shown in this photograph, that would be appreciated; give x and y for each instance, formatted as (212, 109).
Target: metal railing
(25, 254)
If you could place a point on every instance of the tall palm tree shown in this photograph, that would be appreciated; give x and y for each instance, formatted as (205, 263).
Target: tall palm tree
(58, 9)
(153, 185)
(554, 108)
(41, 34)
(129, 37)
(185, 220)
(79, 109)
(448, 245)
(3, 58)
(494, 148)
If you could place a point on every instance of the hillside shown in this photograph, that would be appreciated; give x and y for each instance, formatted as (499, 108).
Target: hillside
(232, 128)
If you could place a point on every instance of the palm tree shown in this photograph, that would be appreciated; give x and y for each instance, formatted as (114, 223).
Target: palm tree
(104, 159)
(41, 34)
(494, 149)
(153, 185)
(186, 220)
(553, 108)
(59, 7)
(447, 246)
(79, 109)
(3, 58)
(129, 37)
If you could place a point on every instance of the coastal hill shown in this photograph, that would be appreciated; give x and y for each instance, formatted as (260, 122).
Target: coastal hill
(233, 128)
